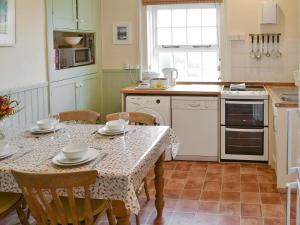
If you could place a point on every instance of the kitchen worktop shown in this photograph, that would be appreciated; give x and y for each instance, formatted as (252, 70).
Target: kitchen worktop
(276, 93)
(179, 89)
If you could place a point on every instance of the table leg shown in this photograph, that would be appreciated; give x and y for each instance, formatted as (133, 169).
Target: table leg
(159, 186)
(121, 213)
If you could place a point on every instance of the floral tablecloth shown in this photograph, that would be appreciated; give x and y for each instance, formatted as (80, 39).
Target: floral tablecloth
(121, 172)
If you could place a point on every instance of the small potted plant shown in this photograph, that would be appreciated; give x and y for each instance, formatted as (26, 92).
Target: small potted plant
(8, 108)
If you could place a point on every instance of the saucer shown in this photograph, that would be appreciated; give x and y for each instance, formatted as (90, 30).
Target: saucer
(37, 130)
(61, 160)
(8, 151)
(105, 131)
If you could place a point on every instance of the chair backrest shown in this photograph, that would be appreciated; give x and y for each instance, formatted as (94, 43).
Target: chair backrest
(80, 115)
(37, 188)
(136, 118)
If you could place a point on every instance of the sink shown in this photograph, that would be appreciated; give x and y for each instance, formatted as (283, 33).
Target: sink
(289, 97)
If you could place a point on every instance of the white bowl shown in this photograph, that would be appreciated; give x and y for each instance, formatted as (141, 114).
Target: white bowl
(115, 125)
(75, 151)
(72, 40)
(44, 124)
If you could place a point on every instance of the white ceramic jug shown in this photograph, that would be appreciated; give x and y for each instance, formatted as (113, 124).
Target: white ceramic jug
(171, 74)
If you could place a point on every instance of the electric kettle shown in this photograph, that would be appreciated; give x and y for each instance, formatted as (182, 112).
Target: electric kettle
(171, 74)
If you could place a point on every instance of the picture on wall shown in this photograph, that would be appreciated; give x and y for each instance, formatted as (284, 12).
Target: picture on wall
(7, 22)
(122, 33)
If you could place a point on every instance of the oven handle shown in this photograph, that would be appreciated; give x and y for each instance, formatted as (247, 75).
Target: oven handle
(245, 130)
(244, 103)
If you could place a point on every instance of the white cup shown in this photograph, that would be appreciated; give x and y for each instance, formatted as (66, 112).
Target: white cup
(115, 125)
(44, 124)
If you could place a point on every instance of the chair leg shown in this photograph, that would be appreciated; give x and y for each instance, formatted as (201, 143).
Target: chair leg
(137, 219)
(146, 189)
(110, 216)
(22, 216)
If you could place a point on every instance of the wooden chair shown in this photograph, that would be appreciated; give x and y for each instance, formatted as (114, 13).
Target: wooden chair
(137, 118)
(47, 207)
(86, 116)
(10, 202)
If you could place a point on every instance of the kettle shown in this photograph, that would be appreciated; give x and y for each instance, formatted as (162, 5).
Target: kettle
(171, 74)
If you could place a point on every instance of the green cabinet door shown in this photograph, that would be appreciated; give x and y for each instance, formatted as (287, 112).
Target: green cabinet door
(87, 14)
(89, 97)
(64, 14)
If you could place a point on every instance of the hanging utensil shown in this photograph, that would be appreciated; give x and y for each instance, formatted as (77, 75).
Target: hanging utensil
(278, 53)
(258, 52)
(252, 53)
(268, 45)
(273, 52)
(263, 44)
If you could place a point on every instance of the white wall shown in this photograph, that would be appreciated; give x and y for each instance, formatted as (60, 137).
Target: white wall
(240, 16)
(25, 63)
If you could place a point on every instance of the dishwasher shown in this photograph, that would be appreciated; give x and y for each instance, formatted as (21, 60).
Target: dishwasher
(195, 122)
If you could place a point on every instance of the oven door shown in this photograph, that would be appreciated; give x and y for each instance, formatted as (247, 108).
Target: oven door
(244, 113)
(244, 144)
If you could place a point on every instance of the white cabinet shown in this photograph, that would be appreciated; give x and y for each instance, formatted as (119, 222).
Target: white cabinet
(74, 94)
(195, 122)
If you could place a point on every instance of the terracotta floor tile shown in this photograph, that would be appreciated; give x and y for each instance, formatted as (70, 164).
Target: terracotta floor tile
(182, 218)
(274, 221)
(176, 184)
(209, 207)
(275, 211)
(232, 169)
(212, 186)
(213, 177)
(169, 165)
(231, 187)
(229, 178)
(199, 174)
(248, 170)
(168, 173)
(165, 220)
(190, 194)
(230, 209)
(252, 221)
(249, 187)
(267, 179)
(214, 168)
(210, 196)
(231, 196)
(199, 167)
(183, 166)
(193, 183)
(177, 174)
(206, 219)
(170, 205)
(252, 210)
(249, 178)
(268, 188)
(270, 198)
(187, 206)
(265, 171)
(172, 193)
(229, 220)
(250, 197)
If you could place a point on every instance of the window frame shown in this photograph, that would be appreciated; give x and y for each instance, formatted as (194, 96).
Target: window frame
(154, 49)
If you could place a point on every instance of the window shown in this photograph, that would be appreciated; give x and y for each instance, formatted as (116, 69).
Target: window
(185, 37)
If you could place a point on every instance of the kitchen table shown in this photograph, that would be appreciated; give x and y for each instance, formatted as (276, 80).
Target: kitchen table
(121, 172)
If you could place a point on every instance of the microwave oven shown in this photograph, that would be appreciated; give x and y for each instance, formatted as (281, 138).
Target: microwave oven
(72, 57)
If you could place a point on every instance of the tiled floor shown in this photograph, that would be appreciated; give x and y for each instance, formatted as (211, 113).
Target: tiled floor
(215, 194)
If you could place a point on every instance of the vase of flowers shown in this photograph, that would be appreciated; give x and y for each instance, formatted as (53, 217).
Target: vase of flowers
(8, 108)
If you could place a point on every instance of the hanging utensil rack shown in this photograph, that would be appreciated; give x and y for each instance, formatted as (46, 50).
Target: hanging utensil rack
(267, 45)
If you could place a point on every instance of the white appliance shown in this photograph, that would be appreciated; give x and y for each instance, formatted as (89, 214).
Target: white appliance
(195, 122)
(293, 167)
(171, 74)
(269, 13)
(244, 124)
(157, 106)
